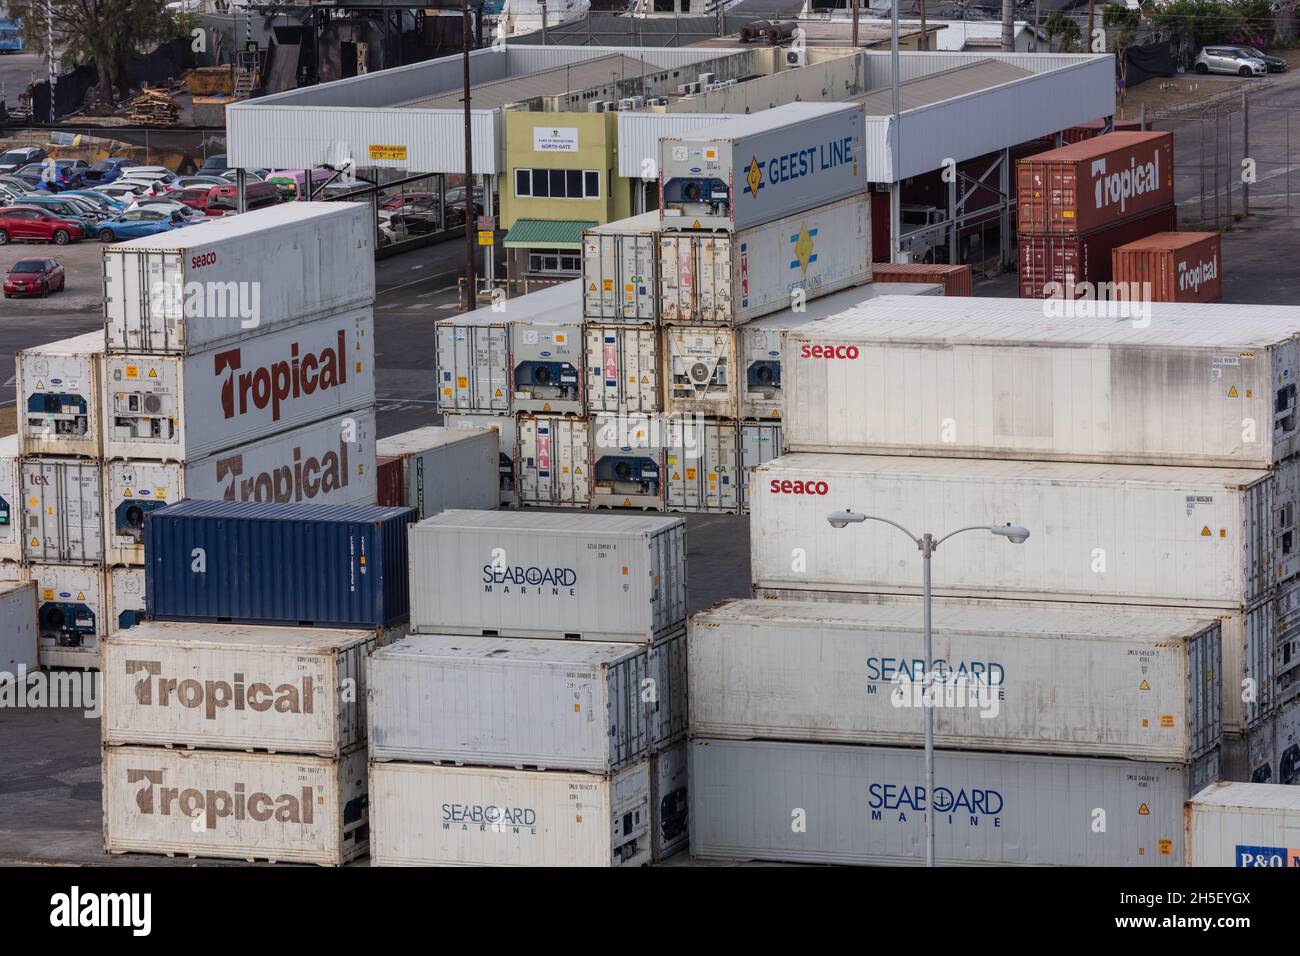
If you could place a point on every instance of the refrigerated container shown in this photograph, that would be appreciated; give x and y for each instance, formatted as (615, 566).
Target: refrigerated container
(176, 408)
(553, 464)
(620, 271)
(546, 363)
(202, 803)
(58, 390)
(622, 369)
(11, 507)
(433, 468)
(1174, 266)
(1272, 656)
(125, 598)
(1098, 182)
(700, 371)
(728, 278)
(953, 280)
(867, 806)
(62, 511)
(1273, 747)
(430, 815)
(752, 169)
(1103, 683)
(189, 291)
(1122, 534)
(250, 563)
(627, 460)
(236, 687)
(1080, 266)
(1244, 825)
(1188, 384)
(669, 779)
(19, 648)
(70, 614)
(508, 448)
(595, 577)
(760, 442)
(701, 465)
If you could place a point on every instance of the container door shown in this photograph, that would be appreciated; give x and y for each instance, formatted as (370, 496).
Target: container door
(677, 278)
(599, 293)
(553, 461)
(62, 506)
(145, 299)
(714, 276)
(759, 444)
(701, 466)
(638, 272)
(11, 546)
(473, 369)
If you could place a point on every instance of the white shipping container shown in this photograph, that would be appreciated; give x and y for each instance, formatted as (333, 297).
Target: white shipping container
(11, 508)
(552, 467)
(546, 362)
(961, 377)
(18, 646)
(595, 577)
(280, 807)
(669, 770)
(1276, 656)
(622, 369)
(1273, 746)
(991, 809)
(1244, 825)
(58, 392)
(191, 290)
(236, 687)
(62, 511)
(700, 371)
(1105, 683)
(429, 815)
(431, 469)
(124, 591)
(1126, 534)
(508, 447)
(726, 279)
(627, 461)
(70, 614)
(760, 442)
(177, 408)
(701, 465)
(620, 271)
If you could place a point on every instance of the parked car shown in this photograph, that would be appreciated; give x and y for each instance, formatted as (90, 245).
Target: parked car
(33, 224)
(135, 223)
(1275, 64)
(420, 220)
(167, 205)
(14, 184)
(256, 195)
(96, 198)
(67, 209)
(20, 156)
(10, 196)
(121, 190)
(214, 165)
(252, 175)
(107, 170)
(149, 174)
(1228, 59)
(55, 174)
(188, 182)
(392, 228)
(34, 277)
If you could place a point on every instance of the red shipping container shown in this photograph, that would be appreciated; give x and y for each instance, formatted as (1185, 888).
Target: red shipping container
(389, 474)
(1073, 260)
(1180, 266)
(1077, 134)
(1087, 186)
(956, 280)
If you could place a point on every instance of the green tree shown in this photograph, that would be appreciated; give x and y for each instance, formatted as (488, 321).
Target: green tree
(1190, 24)
(1122, 25)
(1065, 31)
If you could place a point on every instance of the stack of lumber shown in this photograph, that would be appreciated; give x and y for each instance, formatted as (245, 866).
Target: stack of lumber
(153, 108)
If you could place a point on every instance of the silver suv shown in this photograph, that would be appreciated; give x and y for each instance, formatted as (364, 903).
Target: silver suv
(1229, 59)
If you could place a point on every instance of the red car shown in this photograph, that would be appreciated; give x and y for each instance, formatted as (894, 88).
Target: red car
(31, 224)
(34, 277)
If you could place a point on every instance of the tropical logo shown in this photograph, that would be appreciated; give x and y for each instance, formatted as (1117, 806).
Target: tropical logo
(802, 244)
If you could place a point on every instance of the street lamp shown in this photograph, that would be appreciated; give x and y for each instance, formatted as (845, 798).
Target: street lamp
(927, 544)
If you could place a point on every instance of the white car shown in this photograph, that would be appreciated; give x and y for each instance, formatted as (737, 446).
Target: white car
(166, 205)
(1229, 59)
(121, 191)
(392, 227)
(148, 174)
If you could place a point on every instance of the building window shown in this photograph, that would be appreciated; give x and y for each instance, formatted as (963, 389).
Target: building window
(557, 183)
(568, 261)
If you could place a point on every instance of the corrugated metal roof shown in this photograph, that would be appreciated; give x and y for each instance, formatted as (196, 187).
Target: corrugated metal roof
(553, 82)
(547, 233)
(941, 86)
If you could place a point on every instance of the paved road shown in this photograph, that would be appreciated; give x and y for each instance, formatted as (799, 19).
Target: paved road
(16, 71)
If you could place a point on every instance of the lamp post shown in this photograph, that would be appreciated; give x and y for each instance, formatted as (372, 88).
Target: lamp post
(927, 544)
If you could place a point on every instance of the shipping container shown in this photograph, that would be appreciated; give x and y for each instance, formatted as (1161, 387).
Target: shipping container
(19, 649)
(595, 577)
(753, 169)
(760, 442)
(236, 687)
(622, 369)
(1080, 266)
(1122, 534)
(1174, 266)
(700, 371)
(1272, 653)
(1104, 683)
(669, 779)
(552, 466)
(176, 408)
(508, 446)
(701, 465)
(1273, 747)
(620, 271)
(726, 279)
(1189, 384)
(1244, 825)
(546, 363)
(430, 815)
(954, 280)
(70, 614)
(189, 291)
(627, 460)
(124, 594)
(251, 563)
(1098, 182)
(432, 468)
(991, 810)
(58, 391)
(199, 803)
(63, 519)
(11, 508)
(510, 702)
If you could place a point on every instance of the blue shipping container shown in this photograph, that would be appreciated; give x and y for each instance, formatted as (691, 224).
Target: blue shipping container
(254, 563)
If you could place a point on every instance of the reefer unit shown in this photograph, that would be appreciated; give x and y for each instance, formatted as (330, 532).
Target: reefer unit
(125, 599)
(236, 687)
(752, 169)
(552, 467)
(597, 577)
(188, 291)
(1079, 266)
(627, 461)
(700, 371)
(1085, 186)
(176, 408)
(1272, 655)
(669, 778)
(18, 645)
(1104, 684)
(1121, 534)
(546, 364)
(701, 465)
(309, 565)
(202, 803)
(62, 511)
(620, 271)
(508, 447)
(760, 442)
(867, 806)
(1273, 744)
(432, 468)
(622, 369)
(430, 815)
(1186, 384)
(1244, 825)
(507, 702)
(59, 394)
(11, 502)
(70, 614)
(1173, 266)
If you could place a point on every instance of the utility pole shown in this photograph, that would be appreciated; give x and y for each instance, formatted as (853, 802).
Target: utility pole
(925, 36)
(471, 280)
(1087, 43)
(49, 39)
(1008, 26)
(855, 23)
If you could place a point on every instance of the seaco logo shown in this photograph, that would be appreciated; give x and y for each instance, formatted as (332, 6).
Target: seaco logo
(975, 804)
(1124, 184)
(488, 819)
(518, 580)
(153, 799)
(304, 480)
(289, 378)
(152, 689)
(1191, 279)
(828, 351)
(788, 487)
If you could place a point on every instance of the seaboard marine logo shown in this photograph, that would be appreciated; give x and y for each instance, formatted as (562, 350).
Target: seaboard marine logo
(532, 580)
(892, 802)
(470, 817)
(272, 384)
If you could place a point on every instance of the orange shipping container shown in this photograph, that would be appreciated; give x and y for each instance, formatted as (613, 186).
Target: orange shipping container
(1080, 263)
(1097, 183)
(1181, 266)
(956, 280)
